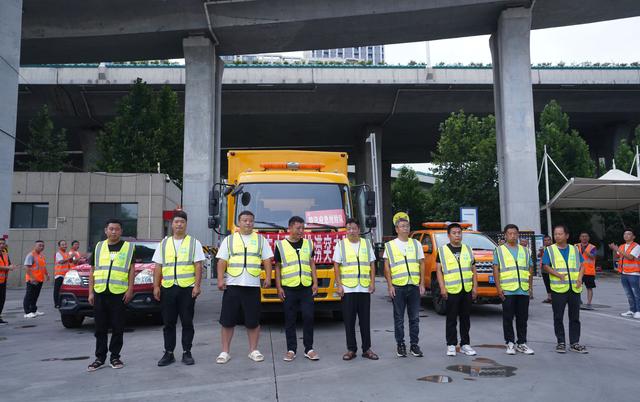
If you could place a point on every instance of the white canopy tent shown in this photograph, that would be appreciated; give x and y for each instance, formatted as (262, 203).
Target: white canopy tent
(613, 191)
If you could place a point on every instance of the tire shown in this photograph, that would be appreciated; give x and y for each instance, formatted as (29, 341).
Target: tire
(336, 315)
(71, 321)
(439, 304)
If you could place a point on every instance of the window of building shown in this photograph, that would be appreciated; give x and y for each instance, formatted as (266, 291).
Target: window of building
(99, 212)
(29, 215)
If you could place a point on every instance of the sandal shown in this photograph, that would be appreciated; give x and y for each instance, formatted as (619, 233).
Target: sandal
(311, 355)
(370, 355)
(223, 358)
(256, 356)
(349, 355)
(98, 364)
(289, 356)
(116, 364)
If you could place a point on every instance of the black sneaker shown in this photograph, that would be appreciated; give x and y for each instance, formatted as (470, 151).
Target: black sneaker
(576, 347)
(167, 359)
(3, 322)
(116, 363)
(561, 348)
(98, 364)
(415, 350)
(188, 359)
(402, 350)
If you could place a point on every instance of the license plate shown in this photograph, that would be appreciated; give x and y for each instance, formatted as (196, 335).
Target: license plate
(491, 280)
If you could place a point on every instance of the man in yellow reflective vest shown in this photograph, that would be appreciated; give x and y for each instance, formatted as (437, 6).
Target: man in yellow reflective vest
(404, 272)
(563, 262)
(240, 260)
(110, 288)
(176, 285)
(513, 273)
(456, 272)
(355, 270)
(297, 283)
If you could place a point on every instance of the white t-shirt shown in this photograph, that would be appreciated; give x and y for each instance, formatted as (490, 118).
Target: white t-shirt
(635, 252)
(337, 257)
(198, 255)
(402, 246)
(59, 258)
(245, 278)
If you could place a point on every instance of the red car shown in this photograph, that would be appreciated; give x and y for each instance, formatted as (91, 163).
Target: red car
(74, 293)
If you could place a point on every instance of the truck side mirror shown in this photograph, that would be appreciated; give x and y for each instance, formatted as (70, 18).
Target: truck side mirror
(371, 222)
(214, 203)
(212, 222)
(370, 203)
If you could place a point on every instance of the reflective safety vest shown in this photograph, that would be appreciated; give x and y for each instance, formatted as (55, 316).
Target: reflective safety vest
(355, 268)
(405, 268)
(62, 269)
(244, 256)
(514, 273)
(628, 266)
(589, 261)
(4, 262)
(571, 270)
(178, 267)
(76, 256)
(112, 273)
(457, 272)
(296, 266)
(38, 268)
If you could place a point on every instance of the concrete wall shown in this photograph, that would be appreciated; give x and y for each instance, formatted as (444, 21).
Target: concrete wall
(69, 196)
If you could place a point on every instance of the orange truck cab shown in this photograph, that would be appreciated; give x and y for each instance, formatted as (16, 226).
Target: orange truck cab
(433, 236)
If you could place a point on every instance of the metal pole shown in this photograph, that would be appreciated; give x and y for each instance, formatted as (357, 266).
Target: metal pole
(546, 182)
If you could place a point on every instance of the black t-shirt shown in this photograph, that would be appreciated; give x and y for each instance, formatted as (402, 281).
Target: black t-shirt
(455, 250)
(112, 248)
(297, 246)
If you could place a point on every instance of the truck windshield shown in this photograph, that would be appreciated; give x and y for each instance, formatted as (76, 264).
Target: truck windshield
(274, 203)
(476, 241)
(143, 252)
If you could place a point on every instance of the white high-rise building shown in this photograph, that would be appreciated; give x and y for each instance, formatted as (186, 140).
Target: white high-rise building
(374, 54)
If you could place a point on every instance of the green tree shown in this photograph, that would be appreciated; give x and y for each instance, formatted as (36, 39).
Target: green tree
(626, 151)
(465, 166)
(407, 196)
(147, 130)
(46, 147)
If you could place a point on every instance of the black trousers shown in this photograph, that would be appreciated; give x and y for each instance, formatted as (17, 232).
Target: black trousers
(31, 297)
(109, 312)
(407, 298)
(357, 304)
(298, 299)
(177, 302)
(3, 295)
(56, 290)
(515, 306)
(458, 307)
(558, 302)
(547, 281)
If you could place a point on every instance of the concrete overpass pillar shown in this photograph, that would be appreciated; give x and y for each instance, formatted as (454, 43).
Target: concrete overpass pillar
(515, 130)
(10, 33)
(387, 225)
(203, 81)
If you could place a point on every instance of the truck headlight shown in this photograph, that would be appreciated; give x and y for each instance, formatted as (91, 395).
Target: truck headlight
(72, 278)
(144, 277)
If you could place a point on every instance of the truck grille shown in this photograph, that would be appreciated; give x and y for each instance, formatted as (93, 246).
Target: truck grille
(484, 267)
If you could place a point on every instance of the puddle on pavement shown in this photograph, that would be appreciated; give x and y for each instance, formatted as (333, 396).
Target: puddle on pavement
(436, 378)
(26, 326)
(484, 367)
(65, 359)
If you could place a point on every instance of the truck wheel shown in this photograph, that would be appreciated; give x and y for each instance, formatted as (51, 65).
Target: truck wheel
(439, 304)
(336, 315)
(71, 321)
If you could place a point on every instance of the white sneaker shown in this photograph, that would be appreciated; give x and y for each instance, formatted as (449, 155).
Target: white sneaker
(29, 315)
(451, 350)
(511, 348)
(523, 348)
(636, 315)
(467, 350)
(38, 313)
(627, 314)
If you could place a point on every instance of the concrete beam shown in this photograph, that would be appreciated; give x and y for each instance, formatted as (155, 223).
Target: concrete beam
(10, 31)
(515, 129)
(201, 139)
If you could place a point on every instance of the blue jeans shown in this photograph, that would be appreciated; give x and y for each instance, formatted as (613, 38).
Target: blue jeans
(407, 297)
(631, 285)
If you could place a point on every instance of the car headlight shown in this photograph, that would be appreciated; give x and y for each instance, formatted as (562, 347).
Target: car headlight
(144, 277)
(72, 278)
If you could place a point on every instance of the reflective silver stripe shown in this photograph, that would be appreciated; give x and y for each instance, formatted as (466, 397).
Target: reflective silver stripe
(178, 264)
(163, 244)
(192, 248)
(240, 265)
(295, 274)
(352, 264)
(389, 251)
(347, 276)
(552, 256)
(510, 280)
(289, 264)
(249, 254)
(283, 257)
(451, 283)
(180, 276)
(113, 268)
(111, 281)
(400, 275)
(344, 252)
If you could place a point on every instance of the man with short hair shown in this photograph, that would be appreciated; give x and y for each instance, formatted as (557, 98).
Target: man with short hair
(513, 273)
(36, 274)
(62, 266)
(563, 262)
(5, 267)
(75, 254)
(628, 255)
(110, 288)
(240, 259)
(589, 253)
(404, 272)
(456, 272)
(355, 270)
(176, 285)
(297, 284)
